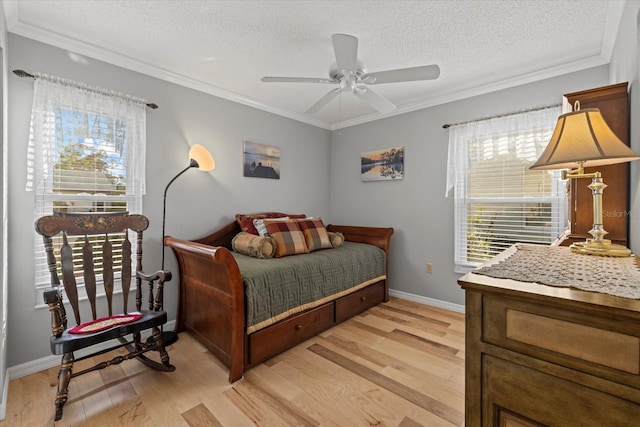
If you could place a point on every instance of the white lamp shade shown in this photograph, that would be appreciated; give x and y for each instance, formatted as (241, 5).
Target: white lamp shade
(201, 155)
(583, 137)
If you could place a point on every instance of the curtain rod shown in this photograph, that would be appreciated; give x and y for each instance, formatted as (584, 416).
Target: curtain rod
(448, 125)
(22, 73)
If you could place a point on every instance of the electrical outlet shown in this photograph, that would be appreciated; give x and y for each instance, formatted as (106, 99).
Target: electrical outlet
(429, 268)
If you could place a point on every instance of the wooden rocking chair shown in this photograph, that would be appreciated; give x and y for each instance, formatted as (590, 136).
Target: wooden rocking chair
(108, 234)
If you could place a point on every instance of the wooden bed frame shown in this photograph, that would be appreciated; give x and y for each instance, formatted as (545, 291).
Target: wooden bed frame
(212, 300)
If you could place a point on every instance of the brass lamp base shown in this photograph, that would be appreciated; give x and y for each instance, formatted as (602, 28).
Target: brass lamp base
(602, 247)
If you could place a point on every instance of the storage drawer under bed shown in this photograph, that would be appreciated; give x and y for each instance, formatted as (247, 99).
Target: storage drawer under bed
(357, 302)
(276, 338)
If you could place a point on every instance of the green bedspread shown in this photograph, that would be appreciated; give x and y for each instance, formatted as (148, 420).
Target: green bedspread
(278, 287)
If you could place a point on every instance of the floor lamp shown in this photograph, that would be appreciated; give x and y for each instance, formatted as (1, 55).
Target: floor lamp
(199, 157)
(582, 139)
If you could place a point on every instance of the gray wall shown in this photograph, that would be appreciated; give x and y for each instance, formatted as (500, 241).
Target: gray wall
(416, 206)
(197, 202)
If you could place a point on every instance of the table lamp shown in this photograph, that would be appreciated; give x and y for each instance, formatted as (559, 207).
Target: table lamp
(582, 139)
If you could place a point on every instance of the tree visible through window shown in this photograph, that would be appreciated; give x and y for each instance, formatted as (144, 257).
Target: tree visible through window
(89, 161)
(89, 170)
(86, 155)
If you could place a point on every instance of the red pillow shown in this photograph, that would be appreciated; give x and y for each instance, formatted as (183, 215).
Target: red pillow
(296, 216)
(245, 221)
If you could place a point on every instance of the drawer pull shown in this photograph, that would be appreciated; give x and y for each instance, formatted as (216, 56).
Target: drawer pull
(298, 327)
(363, 299)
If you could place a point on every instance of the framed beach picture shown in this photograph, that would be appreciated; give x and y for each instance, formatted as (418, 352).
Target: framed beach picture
(261, 161)
(382, 165)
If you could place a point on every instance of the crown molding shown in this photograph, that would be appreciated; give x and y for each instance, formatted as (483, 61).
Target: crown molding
(613, 18)
(499, 84)
(15, 26)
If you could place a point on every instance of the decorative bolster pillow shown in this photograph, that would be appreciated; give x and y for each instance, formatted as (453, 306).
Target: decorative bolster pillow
(252, 245)
(336, 238)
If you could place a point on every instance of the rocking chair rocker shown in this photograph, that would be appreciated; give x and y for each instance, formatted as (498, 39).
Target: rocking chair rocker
(77, 237)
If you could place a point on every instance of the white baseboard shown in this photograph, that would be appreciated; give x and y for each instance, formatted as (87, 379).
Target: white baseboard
(48, 362)
(428, 301)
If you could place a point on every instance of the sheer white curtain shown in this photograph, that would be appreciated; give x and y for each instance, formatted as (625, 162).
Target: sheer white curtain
(538, 121)
(498, 200)
(86, 153)
(53, 95)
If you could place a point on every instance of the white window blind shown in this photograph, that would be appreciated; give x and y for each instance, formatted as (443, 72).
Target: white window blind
(498, 200)
(86, 154)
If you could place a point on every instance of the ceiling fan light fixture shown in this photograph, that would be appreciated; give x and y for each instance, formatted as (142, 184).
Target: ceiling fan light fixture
(348, 71)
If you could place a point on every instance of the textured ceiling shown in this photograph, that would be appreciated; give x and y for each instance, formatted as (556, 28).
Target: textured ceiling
(225, 47)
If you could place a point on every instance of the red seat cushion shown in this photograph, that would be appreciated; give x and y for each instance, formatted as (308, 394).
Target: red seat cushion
(105, 323)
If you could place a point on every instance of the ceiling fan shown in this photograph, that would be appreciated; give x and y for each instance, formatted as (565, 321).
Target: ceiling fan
(350, 75)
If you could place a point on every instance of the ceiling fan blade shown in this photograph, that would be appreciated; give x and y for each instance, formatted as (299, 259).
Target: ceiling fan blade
(427, 72)
(374, 100)
(297, 80)
(346, 50)
(319, 104)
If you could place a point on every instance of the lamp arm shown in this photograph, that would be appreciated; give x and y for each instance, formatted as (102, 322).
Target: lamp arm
(192, 164)
(579, 173)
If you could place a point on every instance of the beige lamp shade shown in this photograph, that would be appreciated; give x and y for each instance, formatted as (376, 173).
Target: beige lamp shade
(202, 156)
(583, 138)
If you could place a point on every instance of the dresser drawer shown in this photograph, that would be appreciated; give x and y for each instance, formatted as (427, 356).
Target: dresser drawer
(516, 395)
(359, 301)
(576, 337)
(281, 336)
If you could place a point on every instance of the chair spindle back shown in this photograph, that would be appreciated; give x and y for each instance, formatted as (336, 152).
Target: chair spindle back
(88, 230)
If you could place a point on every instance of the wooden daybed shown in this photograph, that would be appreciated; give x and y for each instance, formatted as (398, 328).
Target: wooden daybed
(212, 299)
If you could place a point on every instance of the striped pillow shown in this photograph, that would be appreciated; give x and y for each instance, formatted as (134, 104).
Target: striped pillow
(315, 234)
(288, 237)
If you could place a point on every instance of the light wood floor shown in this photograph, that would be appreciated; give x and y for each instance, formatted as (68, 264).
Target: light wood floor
(397, 364)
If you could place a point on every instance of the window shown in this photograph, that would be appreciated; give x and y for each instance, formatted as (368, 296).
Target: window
(498, 200)
(86, 154)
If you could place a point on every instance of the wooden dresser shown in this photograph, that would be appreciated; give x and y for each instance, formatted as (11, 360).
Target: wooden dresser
(541, 355)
